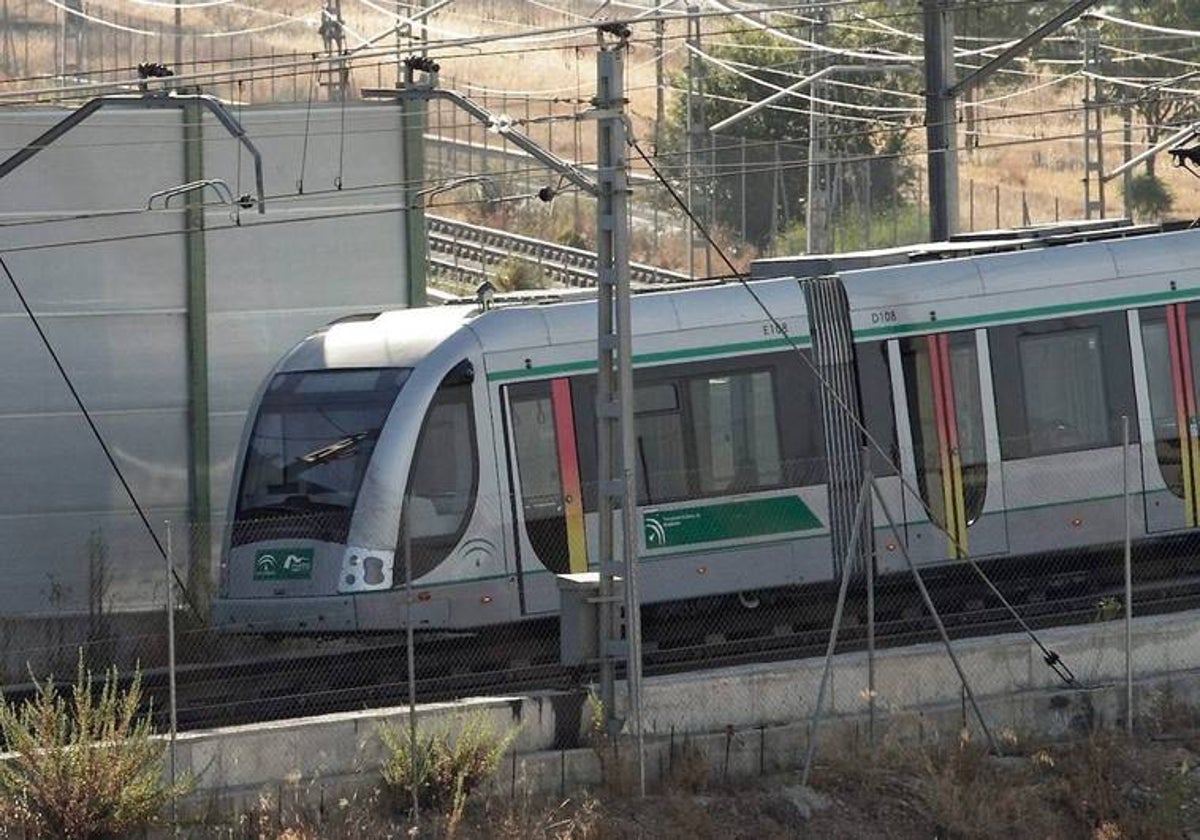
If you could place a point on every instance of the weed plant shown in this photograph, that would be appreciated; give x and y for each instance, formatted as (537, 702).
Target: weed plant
(83, 765)
(449, 764)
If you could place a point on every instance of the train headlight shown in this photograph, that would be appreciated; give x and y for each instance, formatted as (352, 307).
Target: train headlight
(366, 570)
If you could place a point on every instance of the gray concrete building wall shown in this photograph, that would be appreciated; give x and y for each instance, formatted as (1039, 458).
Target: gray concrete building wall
(108, 280)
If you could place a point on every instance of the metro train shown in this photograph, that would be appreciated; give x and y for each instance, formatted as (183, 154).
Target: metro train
(456, 445)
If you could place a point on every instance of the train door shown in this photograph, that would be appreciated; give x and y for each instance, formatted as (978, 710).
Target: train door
(955, 455)
(547, 502)
(1170, 447)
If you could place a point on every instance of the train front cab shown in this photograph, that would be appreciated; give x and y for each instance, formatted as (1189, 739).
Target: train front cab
(317, 536)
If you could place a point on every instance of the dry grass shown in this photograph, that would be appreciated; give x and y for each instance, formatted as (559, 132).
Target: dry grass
(1029, 167)
(1101, 787)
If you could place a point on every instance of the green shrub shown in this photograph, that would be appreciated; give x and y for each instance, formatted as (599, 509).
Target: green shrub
(517, 275)
(451, 761)
(84, 767)
(1149, 197)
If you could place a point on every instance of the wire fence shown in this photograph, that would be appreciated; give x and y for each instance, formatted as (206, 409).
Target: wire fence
(745, 561)
(755, 194)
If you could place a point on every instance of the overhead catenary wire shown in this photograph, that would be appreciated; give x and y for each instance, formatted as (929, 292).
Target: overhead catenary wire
(99, 21)
(900, 127)
(276, 66)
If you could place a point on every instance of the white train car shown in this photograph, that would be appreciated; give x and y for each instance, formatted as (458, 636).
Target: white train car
(995, 383)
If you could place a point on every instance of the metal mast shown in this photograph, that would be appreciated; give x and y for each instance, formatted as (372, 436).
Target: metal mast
(940, 128)
(614, 382)
(1093, 127)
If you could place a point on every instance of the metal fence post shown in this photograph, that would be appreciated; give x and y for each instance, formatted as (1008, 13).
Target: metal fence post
(1128, 578)
(171, 675)
(410, 653)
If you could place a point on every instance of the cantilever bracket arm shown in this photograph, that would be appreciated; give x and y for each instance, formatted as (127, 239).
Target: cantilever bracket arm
(1184, 135)
(149, 100)
(568, 170)
(981, 74)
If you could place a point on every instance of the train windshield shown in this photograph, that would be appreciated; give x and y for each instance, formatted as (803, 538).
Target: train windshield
(313, 439)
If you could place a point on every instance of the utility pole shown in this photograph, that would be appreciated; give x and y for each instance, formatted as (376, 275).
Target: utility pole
(695, 126)
(941, 92)
(1127, 155)
(178, 64)
(940, 129)
(1093, 127)
(336, 73)
(660, 115)
(816, 204)
(614, 388)
(8, 50)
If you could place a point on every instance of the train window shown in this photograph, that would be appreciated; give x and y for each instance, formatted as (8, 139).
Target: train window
(444, 477)
(1172, 371)
(659, 442)
(737, 443)
(1062, 385)
(1064, 391)
(945, 405)
(714, 427)
(875, 388)
(309, 449)
(801, 426)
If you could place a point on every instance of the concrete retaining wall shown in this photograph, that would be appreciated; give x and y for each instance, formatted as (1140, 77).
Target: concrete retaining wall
(742, 721)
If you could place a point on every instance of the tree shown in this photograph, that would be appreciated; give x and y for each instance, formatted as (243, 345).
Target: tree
(1149, 197)
(1150, 60)
(755, 174)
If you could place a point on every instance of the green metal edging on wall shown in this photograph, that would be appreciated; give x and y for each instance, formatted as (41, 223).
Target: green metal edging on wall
(413, 117)
(199, 544)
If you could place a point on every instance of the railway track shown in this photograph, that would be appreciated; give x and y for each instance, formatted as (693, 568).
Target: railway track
(374, 675)
(349, 675)
(466, 253)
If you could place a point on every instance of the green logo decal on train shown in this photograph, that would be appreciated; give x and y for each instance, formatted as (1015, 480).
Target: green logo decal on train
(729, 521)
(283, 564)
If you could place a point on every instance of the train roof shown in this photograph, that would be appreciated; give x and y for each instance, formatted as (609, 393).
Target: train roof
(961, 245)
(973, 265)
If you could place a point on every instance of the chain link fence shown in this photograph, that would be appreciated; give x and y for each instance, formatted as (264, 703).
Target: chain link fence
(741, 574)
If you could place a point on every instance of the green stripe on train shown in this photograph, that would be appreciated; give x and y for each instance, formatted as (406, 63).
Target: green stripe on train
(589, 366)
(729, 521)
(898, 329)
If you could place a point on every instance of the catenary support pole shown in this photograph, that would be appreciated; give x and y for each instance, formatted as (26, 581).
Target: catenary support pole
(940, 128)
(196, 273)
(413, 119)
(694, 127)
(614, 388)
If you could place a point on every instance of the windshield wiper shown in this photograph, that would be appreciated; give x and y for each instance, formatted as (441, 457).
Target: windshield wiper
(337, 449)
